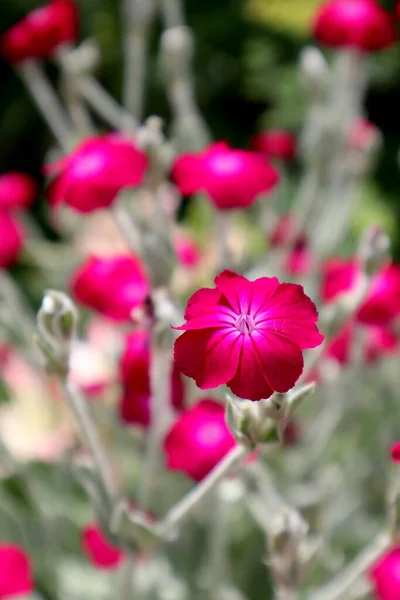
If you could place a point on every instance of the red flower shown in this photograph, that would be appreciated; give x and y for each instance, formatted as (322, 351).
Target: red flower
(385, 575)
(15, 572)
(382, 303)
(112, 286)
(41, 32)
(231, 178)
(93, 174)
(11, 240)
(360, 24)
(377, 341)
(275, 143)
(395, 452)
(17, 190)
(198, 440)
(187, 251)
(135, 367)
(247, 334)
(100, 551)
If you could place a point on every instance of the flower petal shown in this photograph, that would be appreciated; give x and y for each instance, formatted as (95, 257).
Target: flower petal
(197, 302)
(290, 313)
(209, 356)
(268, 363)
(236, 289)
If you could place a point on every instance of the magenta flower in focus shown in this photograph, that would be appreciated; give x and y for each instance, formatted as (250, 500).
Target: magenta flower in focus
(231, 178)
(382, 303)
(135, 377)
(385, 575)
(92, 175)
(17, 191)
(15, 572)
(276, 144)
(41, 31)
(360, 24)
(112, 286)
(198, 440)
(11, 239)
(247, 334)
(99, 550)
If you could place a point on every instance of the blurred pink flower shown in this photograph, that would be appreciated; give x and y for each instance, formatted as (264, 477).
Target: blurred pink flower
(231, 178)
(385, 575)
(94, 173)
(90, 369)
(17, 190)
(363, 134)
(11, 239)
(112, 286)
(377, 341)
(198, 440)
(99, 550)
(300, 259)
(187, 251)
(15, 572)
(382, 303)
(276, 143)
(135, 376)
(395, 452)
(247, 334)
(360, 24)
(41, 31)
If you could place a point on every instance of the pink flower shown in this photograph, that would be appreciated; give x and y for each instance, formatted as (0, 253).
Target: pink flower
(187, 251)
(198, 440)
(15, 572)
(275, 143)
(385, 575)
(377, 342)
(17, 191)
(363, 134)
(395, 452)
(94, 173)
(11, 240)
(231, 178)
(135, 368)
(42, 30)
(300, 260)
(112, 286)
(247, 334)
(382, 303)
(99, 550)
(360, 24)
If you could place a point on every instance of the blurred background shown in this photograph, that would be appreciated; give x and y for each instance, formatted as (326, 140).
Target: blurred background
(246, 59)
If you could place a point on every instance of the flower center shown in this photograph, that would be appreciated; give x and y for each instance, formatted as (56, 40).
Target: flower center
(245, 324)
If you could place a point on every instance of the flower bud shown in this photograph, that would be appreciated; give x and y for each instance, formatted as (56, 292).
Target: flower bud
(374, 250)
(177, 47)
(82, 60)
(56, 323)
(249, 422)
(314, 73)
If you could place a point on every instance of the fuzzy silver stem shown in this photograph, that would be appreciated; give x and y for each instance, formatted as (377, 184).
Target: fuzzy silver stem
(47, 101)
(105, 105)
(90, 436)
(339, 586)
(183, 509)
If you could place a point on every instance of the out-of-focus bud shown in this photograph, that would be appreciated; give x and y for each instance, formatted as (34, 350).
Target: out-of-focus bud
(56, 322)
(374, 251)
(177, 46)
(150, 139)
(314, 72)
(82, 60)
